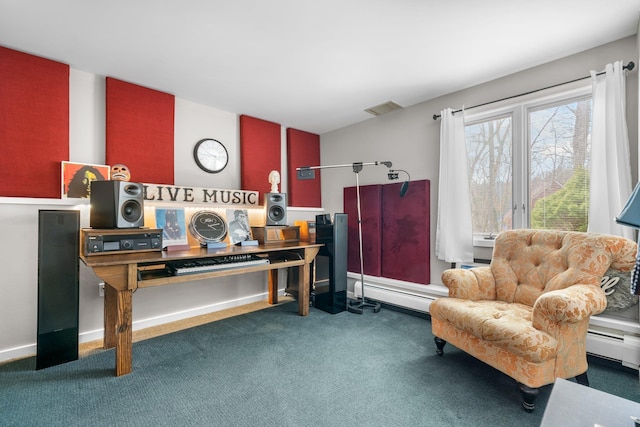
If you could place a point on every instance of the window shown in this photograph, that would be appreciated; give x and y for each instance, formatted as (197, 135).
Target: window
(529, 165)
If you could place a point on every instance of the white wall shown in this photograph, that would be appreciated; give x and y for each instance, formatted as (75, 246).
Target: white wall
(410, 137)
(194, 122)
(87, 121)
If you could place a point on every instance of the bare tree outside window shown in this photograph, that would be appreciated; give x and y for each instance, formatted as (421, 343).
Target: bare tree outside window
(490, 166)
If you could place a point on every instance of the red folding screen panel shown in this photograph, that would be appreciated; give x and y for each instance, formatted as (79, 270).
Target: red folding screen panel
(140, 131)
(395, 231)
(34, 124)
(260, 143)
(303, 149)
(406, 224)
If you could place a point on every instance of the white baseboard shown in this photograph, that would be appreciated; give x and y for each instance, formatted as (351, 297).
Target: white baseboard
(29, 350)
(17, 352)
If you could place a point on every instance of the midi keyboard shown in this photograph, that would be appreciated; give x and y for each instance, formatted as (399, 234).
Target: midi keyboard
(204, 265)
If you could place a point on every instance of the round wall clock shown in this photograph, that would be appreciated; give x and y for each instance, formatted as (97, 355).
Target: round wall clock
(208, 227)
(210, 155)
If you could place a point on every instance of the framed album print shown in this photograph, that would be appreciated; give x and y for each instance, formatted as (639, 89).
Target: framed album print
(77, 177)
(174, 226)
(239, 229)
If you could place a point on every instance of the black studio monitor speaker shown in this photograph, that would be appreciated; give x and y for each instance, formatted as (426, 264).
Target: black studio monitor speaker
(58, 294)
(330, 284)
(116, 204)
(276, 208)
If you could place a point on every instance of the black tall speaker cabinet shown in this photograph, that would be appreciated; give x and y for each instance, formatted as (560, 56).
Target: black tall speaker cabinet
(58, 313)
(330, 284)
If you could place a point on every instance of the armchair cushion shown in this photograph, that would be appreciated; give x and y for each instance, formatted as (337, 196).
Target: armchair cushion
(503, 324)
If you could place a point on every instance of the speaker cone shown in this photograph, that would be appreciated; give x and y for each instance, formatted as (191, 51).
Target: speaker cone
(276, 213)
(131, 211)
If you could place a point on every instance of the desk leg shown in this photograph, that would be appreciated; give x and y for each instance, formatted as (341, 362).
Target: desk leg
(273, 286)
(304, 274)
(110, 297)
(117, 326)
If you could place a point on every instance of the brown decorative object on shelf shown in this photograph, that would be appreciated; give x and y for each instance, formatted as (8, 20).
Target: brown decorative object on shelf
(276, 233)
(120, 172)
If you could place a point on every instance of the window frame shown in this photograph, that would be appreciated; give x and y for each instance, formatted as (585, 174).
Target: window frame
(519, 112)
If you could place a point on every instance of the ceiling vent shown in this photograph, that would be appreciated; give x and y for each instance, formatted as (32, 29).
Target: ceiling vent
(385, 108)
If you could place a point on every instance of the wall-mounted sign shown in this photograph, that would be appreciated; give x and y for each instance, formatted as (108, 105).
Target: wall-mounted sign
(161, 193)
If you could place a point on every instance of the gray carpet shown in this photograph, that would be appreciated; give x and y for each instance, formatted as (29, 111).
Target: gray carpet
(275, 368)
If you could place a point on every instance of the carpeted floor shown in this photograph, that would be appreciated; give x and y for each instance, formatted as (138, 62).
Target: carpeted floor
(275, 368)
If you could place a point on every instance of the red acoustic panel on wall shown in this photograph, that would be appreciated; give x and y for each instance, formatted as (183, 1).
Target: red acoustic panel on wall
(259, 153)
(34, 124)
(140, 129)
(303, 149)
(370, 201)
(406, 223)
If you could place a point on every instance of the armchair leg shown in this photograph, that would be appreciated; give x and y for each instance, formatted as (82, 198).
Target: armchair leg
(440, 345)
(583, 379)
(529, 396)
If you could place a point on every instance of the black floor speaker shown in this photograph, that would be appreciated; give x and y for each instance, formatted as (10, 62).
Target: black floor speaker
(330, 282)
(58, 296)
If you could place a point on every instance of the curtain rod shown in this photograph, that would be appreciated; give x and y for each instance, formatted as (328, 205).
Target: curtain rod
(629, 67)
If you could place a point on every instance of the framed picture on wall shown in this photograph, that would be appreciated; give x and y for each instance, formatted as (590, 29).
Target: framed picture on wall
(77, 177)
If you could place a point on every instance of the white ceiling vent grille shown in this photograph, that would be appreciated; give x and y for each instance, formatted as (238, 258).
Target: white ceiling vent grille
(385, 108)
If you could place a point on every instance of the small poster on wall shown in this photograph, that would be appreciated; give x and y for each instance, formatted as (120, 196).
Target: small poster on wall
(77, 177)
(173, 225)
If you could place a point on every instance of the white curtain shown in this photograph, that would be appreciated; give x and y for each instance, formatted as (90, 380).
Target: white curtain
(610, 181)
(454, 231)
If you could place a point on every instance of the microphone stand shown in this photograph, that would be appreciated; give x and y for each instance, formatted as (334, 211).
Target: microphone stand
(306, 172)
(359, 305)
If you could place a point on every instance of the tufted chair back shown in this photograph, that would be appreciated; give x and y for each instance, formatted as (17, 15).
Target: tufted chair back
(527, 263)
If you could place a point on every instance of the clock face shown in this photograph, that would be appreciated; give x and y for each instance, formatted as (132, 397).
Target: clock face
(210, 155)
(207, 227)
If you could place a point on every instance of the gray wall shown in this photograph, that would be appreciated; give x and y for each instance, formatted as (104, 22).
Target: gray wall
(410, 137)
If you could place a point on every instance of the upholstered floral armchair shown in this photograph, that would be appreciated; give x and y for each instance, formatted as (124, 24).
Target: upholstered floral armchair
(527, 313)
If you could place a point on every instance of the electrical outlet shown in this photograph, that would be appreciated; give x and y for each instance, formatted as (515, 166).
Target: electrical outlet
(101, 289)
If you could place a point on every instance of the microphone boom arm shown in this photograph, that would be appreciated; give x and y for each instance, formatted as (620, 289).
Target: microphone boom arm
(306, 172)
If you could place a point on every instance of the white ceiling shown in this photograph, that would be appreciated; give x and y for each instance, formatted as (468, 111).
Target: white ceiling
(313, 65)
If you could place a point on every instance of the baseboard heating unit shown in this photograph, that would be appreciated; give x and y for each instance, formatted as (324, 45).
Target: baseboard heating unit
(614, 344)
(401, 294)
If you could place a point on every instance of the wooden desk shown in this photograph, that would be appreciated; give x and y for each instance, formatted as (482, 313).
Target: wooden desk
(125, 273)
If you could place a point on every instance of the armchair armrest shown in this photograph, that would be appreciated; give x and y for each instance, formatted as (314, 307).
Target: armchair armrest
(473, 284)
(570, 305)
